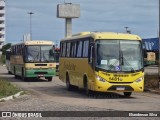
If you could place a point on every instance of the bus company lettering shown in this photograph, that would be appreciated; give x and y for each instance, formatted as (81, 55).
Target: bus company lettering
(69, 66)
(107, 74)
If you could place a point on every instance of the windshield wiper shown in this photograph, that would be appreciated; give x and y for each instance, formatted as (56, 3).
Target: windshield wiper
(122, 58)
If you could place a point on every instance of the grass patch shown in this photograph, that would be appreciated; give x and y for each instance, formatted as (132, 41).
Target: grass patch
(23, 93)
(151, 81)
(7, 89)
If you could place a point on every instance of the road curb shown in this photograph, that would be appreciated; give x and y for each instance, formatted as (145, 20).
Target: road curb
(11, 96)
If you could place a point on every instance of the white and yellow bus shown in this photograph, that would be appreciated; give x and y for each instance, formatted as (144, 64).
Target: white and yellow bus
(102, 62)
(33, 59)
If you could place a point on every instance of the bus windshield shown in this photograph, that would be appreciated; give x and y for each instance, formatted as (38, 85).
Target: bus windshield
(39, 53)
(119, 55)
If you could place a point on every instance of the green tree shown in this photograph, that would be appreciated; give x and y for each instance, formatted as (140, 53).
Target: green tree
(5, 47)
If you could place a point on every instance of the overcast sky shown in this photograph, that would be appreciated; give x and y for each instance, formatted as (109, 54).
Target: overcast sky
(141, 16)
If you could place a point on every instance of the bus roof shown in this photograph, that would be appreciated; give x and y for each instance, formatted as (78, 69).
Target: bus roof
(36, 42)
(104, 35)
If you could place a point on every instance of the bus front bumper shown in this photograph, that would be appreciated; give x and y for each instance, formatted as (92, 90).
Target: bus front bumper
(40, 73)
(118, 87)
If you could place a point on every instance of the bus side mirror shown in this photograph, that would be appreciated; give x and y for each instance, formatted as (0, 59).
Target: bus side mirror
(144, 50)
(145, 53)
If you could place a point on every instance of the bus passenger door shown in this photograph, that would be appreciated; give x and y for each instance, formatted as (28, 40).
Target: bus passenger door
(91, 56)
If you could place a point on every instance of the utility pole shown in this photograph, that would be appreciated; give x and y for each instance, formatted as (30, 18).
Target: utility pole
(30, 13)
(127, 31)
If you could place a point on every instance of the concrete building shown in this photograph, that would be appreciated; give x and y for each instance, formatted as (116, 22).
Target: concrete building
(2, 23)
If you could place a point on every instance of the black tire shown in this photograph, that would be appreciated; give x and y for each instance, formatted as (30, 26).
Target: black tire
(9, 72)
(87, 91)
(68, 85)
(127, 94)
(49, 79)
(15, 76)
(24, 78)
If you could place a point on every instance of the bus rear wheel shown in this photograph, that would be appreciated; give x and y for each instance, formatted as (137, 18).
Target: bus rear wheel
(15, 76)
(127, 94)
(24, 78)
(49, 79)
(68, 85)
(9, 72)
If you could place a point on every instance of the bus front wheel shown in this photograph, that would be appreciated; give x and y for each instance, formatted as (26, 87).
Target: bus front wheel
(23, 77)
(87, 91)
(127, 94)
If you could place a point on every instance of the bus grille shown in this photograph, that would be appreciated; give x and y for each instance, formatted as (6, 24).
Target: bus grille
(126, 87)
(119, 75)
(40, 72)
(121, 82)
(40, 64)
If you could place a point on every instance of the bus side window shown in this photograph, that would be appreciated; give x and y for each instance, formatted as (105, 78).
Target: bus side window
(68, 49)
(75, 49)
(63, 49)
(73, 45)
(79, 50)
(85, 48)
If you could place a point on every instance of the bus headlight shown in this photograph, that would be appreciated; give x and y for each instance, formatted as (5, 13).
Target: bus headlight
(139, 80)
(100, 79)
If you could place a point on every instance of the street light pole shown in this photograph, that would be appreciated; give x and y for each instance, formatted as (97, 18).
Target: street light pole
(30, 13)
(126, 29)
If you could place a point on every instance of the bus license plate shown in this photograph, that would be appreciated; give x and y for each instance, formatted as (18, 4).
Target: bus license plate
(120, 88)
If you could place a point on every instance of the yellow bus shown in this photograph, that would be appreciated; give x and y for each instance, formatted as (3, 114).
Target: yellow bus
(102, 62)
(33, 59)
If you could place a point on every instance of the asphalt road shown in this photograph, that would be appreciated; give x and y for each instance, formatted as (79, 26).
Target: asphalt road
(53, 96)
